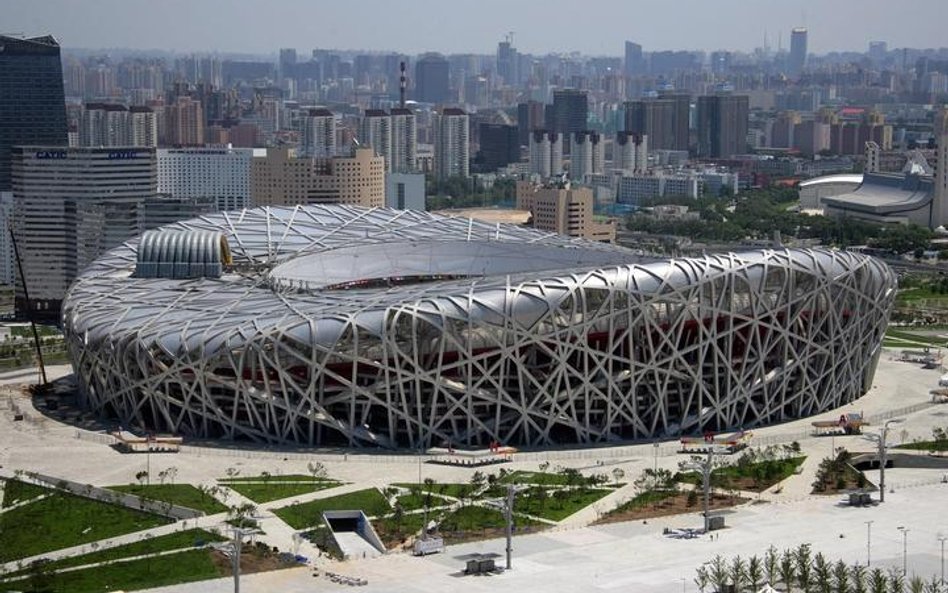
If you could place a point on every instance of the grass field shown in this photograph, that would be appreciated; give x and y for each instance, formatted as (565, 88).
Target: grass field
(557, 504)
(412, 502)
(17, 491)
(452, 490)
(184, 495)
(273, 478)
(145, 573)
(63, 520)
(755, 476)
(163, 543)
(275, 490)
(309, 514)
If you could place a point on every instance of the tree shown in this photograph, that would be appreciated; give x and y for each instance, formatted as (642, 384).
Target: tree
(172, 473)
(141, 477)
(477, 481)
(857, 574)
(933, 586)
(702, 579)
(718, 573)
(896, 581)
(841, 577)
(788, 570)
(738, 572)
(618, 473)
(162, 476)
(771, 560)
(316, 469)
(232, 472)
(755, 572)
(916, 585)
(803, 556)
(878, 582)
(822, 572)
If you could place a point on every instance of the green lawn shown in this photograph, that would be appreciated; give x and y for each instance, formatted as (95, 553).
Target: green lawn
(474, 518)
(925, 446)
(64, 520)
(17, 491)
(274, 478)
(453, 490)
(557, 504)
(542, 478)
(163, 543)
(754, 476)
(918, 338)
(184, 495)
(309, 514)
(275, 490)
(173, 569)
(392, 531)
(412, 502)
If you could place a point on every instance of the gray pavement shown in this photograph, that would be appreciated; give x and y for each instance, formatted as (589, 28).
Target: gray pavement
(572, 556)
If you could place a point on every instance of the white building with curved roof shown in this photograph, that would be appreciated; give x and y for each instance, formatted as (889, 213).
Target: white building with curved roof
(336, 325)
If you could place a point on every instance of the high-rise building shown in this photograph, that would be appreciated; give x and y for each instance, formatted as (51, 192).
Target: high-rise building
(565, 210)
(117, 125)
(530, 116)
(722, 125)
(32, 101)
(498, 146)
(452, 144)
(634, 60)
(404, 141)
(282, 179)
(431, 79)
(375, 131)
(162, 209)
(588, 155)
(287, 62)
(631, 152)
(569, 113)
(318, 134)
(796, 61)
(940, 173)
(184, 121)
(221, 174)
(7, 261)
(665, 120)
(546, 153)
(70, 206)
(508, 63)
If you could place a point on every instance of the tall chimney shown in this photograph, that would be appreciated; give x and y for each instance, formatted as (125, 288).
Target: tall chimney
(401, 85)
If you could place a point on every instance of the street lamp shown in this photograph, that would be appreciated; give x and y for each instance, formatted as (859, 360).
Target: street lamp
(704, 466)
(941, 540)
(880, 440)
(904, 549)
(869, 543)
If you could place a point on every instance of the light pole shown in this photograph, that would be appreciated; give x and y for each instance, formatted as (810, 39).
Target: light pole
(869, 543)
(655, 448)
(508, 516)
(704, 466)
(880, 439)
(904, 549)
(941, 540)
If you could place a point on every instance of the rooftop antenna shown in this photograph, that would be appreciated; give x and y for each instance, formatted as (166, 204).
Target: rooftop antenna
(401, 84)
(510, 38)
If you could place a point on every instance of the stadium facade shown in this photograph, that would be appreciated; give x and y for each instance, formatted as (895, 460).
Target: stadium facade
(335, 325)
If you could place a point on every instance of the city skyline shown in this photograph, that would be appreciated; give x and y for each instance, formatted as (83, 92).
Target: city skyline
(249, 26)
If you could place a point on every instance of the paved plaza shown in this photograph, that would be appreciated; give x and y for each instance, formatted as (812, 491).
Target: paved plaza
(572, 556)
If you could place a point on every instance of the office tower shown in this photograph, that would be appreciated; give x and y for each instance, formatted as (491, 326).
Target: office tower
(811, 136)
(287, 62)
(655, 118)
(631, 152)
(7, 261)
(796, 61)
(634, 60)
(404, 141)
(318, 134)
(375, 131)
(70, 206)
(508, 62)
(569, 113)
(32, 102)
(878, 51)
(588, 155)
(279, 178)
(565, 210)
(185, 123)
(722, 125)
(431, 79)
(498, 146)
(781, 134)
(530, 117)
(222, 174)
(680, 132)
(452, 144)
(720, 62)
(546, 153)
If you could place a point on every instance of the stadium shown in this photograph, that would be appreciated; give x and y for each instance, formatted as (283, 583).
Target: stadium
(330, 325)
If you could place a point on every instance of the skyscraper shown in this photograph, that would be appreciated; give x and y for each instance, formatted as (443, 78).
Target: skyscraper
(452, 144)
(32, 102)
(404, 141)
(569, 113)
(588, 155)
(375, 130)
(664, 120)
(318, 133)
(722, 125)
(70, 206)
(546, 153)
(634, 59)
(508, 62)
(498, 146)
(431, 79)
(530, 116)
(796, 62)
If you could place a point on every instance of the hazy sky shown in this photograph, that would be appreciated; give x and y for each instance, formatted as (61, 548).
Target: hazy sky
(590, 26)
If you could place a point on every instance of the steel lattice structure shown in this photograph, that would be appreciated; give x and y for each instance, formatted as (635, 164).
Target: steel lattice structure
(338, 325)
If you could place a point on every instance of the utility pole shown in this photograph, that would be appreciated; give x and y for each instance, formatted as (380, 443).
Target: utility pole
(904, 549)
(238, 541)
(869, 543)
(941, 540)
(880, 440)
(508, 512)
(29, 308)
(705, 468)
